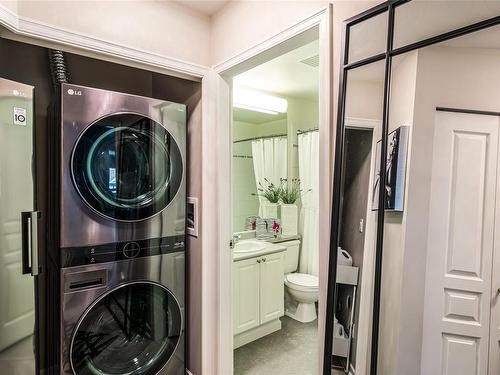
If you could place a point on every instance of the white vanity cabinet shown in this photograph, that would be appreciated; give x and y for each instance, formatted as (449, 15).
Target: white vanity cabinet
(258, 296)
(246, 294)
(272, 289)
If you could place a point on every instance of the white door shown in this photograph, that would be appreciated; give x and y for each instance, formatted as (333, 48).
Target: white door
(271, 287)
(246, 290)
(16, 195)
(460, 245)
(494, 357)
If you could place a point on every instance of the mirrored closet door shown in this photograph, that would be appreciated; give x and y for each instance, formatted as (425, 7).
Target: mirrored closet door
(435, 300)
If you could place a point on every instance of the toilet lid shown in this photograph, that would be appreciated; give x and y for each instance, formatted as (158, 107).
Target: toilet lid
(303, 279)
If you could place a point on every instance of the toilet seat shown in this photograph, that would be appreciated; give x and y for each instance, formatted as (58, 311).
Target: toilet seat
(302, 281)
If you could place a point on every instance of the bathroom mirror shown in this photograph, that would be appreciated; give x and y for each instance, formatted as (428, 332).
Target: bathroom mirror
(439, 307)
(368, 38)
(356, 252)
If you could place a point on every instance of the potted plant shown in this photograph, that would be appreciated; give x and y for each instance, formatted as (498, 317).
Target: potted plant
(272, 194)
(289, 212)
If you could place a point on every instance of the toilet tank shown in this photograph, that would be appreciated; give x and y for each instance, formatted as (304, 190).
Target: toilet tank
(291, 255)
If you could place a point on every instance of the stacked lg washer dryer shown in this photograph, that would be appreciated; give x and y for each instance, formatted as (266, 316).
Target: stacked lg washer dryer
(121, 233)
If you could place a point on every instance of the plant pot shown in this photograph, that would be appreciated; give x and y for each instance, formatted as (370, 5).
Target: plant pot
(289, 219)
(269, 210)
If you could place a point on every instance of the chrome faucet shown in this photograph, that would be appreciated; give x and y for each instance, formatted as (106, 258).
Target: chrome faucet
(234, 240)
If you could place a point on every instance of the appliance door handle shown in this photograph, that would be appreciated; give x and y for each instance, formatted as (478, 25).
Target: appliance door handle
(29, 242)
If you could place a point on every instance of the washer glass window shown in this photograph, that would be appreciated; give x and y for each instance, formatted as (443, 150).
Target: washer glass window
(131, 330)
(127, 167)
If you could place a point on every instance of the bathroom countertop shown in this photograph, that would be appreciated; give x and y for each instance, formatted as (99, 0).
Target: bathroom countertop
(269, 249)
(284, 239)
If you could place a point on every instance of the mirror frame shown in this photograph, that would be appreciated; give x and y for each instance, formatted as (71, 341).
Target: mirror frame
(389, 7)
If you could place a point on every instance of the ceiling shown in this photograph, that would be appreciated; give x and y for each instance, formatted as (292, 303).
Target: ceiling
(207, 7)
(284, 76)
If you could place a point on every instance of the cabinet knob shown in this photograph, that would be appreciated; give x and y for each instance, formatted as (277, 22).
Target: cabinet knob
(258, 260)
(263, 259)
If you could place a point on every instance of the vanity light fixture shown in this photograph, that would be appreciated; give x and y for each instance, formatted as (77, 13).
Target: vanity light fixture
(257, 101)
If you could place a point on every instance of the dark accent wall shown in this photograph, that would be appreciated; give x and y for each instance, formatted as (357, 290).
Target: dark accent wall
(356, 190)
(29, 64)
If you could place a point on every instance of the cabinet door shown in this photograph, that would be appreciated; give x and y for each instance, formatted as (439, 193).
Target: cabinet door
(246, 294)
(271, 287)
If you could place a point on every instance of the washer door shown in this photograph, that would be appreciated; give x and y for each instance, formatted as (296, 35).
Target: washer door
(133, 329)
(127, 167)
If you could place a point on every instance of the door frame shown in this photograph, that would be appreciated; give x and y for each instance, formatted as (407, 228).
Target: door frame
(216, 207)
(363, 341)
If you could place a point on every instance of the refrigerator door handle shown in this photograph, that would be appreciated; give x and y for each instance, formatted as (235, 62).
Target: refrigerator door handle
(29, 242)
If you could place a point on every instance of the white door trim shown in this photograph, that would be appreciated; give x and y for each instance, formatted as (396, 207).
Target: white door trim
(27, 27)
(217, 206)
(363, 342)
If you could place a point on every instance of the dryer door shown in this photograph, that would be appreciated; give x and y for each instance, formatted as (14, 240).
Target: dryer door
(127, 167)
(133, 329)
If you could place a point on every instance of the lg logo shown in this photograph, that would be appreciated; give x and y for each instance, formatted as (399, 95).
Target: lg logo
(74, 92)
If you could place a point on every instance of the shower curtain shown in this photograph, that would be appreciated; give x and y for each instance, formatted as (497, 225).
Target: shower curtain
(309, 216)
(269, 162)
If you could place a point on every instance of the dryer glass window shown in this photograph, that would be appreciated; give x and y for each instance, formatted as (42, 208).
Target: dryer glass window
(131, 330)
(127, 167)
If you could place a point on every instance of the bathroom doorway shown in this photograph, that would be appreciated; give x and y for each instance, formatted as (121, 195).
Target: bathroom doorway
(275, 214)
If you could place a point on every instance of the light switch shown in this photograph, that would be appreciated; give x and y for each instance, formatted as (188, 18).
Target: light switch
(192, 216)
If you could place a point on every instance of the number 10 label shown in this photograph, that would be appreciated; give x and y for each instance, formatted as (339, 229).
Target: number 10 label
(20, 116)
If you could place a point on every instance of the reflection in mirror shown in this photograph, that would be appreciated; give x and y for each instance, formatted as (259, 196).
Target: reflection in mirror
(17, 315)
(440, 312)
(368, 38)
(356, 253)
(422, 19)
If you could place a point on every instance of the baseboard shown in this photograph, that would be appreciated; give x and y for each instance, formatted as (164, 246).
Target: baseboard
(256, 333)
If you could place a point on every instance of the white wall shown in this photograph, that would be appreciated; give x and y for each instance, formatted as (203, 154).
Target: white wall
(401, 113)
(160, 27)
(245, 200)
(10, 5)
(301, 114)
(364, 99)
(244, 130)
(242, 24)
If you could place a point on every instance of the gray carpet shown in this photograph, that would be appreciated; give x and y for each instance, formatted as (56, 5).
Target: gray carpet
(292, 350)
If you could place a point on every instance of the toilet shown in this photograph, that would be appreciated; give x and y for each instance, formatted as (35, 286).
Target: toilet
(302, 289)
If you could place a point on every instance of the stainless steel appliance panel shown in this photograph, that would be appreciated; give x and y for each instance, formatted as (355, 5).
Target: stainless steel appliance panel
(82, 286)
(80, 225)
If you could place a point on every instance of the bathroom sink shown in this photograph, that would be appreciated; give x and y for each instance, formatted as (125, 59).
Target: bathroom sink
(249, 246)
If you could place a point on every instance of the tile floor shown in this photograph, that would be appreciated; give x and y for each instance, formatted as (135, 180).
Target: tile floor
(18, 359)
(292, 350)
